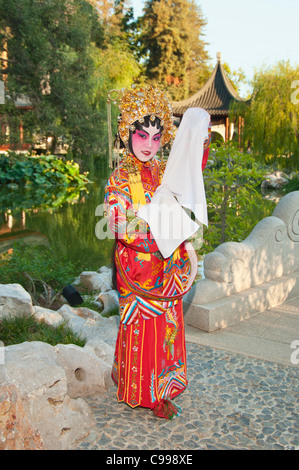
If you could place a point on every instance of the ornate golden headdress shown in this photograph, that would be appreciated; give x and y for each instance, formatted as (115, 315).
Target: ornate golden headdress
(134, 104)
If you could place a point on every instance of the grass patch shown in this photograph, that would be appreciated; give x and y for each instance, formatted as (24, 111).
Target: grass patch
(34, 266)
(292, 185)
(16, 330)
(41, 271)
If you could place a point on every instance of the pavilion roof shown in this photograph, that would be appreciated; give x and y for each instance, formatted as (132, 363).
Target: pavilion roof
(216, 96)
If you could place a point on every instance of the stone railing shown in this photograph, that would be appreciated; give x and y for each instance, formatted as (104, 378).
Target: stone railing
(242, 279)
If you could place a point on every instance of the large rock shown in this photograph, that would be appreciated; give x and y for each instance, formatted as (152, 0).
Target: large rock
(51, 317)
(94, 281)
(14, 301)
(42, 387)
(110, 301)
(90, 324)
(86, 373)
(100, 335)
(276, 180)
(16, 430)
(41, 374)
(101, 349)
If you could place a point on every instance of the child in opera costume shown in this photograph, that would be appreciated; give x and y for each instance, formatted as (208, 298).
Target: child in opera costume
(150, 355)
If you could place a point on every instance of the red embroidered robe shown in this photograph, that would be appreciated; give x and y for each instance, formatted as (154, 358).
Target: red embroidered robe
(150, 353)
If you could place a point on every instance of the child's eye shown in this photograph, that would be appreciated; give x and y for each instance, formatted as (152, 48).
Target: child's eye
(142, 135)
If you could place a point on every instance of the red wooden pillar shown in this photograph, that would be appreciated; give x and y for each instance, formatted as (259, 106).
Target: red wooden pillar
(226, 129)
(21, 130)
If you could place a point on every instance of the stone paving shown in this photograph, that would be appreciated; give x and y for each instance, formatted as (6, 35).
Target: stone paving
(232, 402)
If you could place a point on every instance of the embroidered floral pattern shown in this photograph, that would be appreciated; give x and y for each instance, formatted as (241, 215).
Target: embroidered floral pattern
(135, 375)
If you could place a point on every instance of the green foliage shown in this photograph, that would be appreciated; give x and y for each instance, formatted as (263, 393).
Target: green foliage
(170, 42)
(236, 77)
(232, 179)
(16, 330)
(34, 267)
(272, 115)
(50, 64)
(47, 170)
(64, 56)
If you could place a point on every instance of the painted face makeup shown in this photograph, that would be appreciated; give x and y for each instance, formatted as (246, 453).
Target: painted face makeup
(146, 143)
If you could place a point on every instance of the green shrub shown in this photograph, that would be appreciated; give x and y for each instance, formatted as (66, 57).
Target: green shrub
(235, 205)
(46, 170)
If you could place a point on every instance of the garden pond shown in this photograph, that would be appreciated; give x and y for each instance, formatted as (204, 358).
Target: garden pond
(61, 218)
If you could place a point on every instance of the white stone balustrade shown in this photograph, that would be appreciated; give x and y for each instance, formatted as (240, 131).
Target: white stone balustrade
(242, 279)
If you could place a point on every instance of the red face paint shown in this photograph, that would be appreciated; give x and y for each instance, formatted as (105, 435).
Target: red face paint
(146, 143)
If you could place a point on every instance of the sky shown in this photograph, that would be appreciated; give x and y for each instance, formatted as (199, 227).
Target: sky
(250, 34)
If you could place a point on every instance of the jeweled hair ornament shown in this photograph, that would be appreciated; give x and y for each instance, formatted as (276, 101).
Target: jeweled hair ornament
(135, 104)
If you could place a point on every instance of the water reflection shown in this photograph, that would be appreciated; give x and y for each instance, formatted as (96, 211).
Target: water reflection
(63, 220)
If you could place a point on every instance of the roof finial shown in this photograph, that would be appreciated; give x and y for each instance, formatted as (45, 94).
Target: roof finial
(218, 55)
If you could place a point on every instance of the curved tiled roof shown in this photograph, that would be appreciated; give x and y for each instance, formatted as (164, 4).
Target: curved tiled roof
(215, 96)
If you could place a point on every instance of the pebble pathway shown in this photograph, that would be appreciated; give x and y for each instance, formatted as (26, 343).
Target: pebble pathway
(232, 402)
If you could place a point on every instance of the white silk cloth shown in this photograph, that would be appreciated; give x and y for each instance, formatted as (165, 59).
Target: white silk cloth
(182, 186)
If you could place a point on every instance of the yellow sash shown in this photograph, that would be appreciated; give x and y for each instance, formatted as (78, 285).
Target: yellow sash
(137, 191)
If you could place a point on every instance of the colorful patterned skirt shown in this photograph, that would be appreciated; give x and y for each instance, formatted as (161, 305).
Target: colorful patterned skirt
(150, 359)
